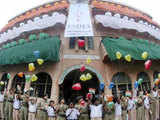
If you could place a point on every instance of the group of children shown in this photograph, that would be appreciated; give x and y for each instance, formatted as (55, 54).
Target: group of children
(144, 106)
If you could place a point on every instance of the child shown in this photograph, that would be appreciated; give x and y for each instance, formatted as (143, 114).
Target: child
(32, 109)
(1, 104)
(130, 108)
(118, 110)
(96, 110)
(16, 107)
(51, 111)
(72, 113)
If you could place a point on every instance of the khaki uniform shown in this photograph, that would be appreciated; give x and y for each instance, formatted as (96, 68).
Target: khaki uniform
(9, 107)
(51, 118)
(140, 110)
(24, 109)
(1, 110)
(31, 116)
(124, 110)
(96, 118)
(84, 115)
(42, 112)
(83, 112)
(153, 108)
(109, 113)
(61, 113)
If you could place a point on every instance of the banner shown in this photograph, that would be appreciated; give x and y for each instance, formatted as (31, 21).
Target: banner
(79, 21)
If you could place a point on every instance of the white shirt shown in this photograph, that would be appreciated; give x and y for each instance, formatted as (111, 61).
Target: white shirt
(1, 97)
(130, 104)
(146, 103)
(72, 113)
(118, 109)
(16, 104)
(50, 111)
(32, 107)
(96, 111)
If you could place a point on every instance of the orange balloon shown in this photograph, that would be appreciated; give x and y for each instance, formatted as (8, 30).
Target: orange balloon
(20, 74)
(109, 98)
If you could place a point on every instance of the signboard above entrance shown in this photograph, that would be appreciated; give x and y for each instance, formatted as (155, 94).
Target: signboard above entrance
(79, 21)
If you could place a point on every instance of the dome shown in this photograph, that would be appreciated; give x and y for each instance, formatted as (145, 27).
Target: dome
(109, 14)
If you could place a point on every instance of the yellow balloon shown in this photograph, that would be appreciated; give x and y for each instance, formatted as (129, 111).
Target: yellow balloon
(89, 60)
(88, 76)
(31, 67)
(1, 83)
(159, 76)
(34, 78)
(83, 77)
(128, 58)
(144, 55)
(118, 55)
(40, 61)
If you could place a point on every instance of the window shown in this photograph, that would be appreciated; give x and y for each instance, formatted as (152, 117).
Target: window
(72, 43)
(5, 80)
(18, 83)
(146, 84)
(122, 82)
(89, 44)
(42, 86)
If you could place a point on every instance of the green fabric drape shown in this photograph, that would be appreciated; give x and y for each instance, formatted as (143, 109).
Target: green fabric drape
(23, 53)
(134, 47)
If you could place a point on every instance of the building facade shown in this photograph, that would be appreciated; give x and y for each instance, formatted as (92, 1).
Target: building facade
(116, 27)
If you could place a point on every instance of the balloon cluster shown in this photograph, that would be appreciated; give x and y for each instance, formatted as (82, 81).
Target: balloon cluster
(157, 81)
(31, 66)
(8, 77)
(128, 58)
(86, 77)
(137, 83)
(83, 77)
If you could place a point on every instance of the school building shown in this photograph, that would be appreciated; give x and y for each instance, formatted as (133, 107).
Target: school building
(110, 27)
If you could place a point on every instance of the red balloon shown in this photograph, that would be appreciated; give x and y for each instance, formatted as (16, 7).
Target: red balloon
(82, 103)
(83, 68)
(148, 64)
(89, 96)
(77, 86)
(81, 43)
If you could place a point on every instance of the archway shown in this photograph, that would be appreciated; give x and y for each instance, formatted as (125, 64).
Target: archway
(73, 77)
(42, 86)
(18, 83)
(122, 83)
(146, 84)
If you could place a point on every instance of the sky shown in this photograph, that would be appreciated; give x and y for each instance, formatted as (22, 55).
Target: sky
(12, 8)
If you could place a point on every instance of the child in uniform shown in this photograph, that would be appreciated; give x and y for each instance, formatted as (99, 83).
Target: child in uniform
(51, 111)
(32, 109)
